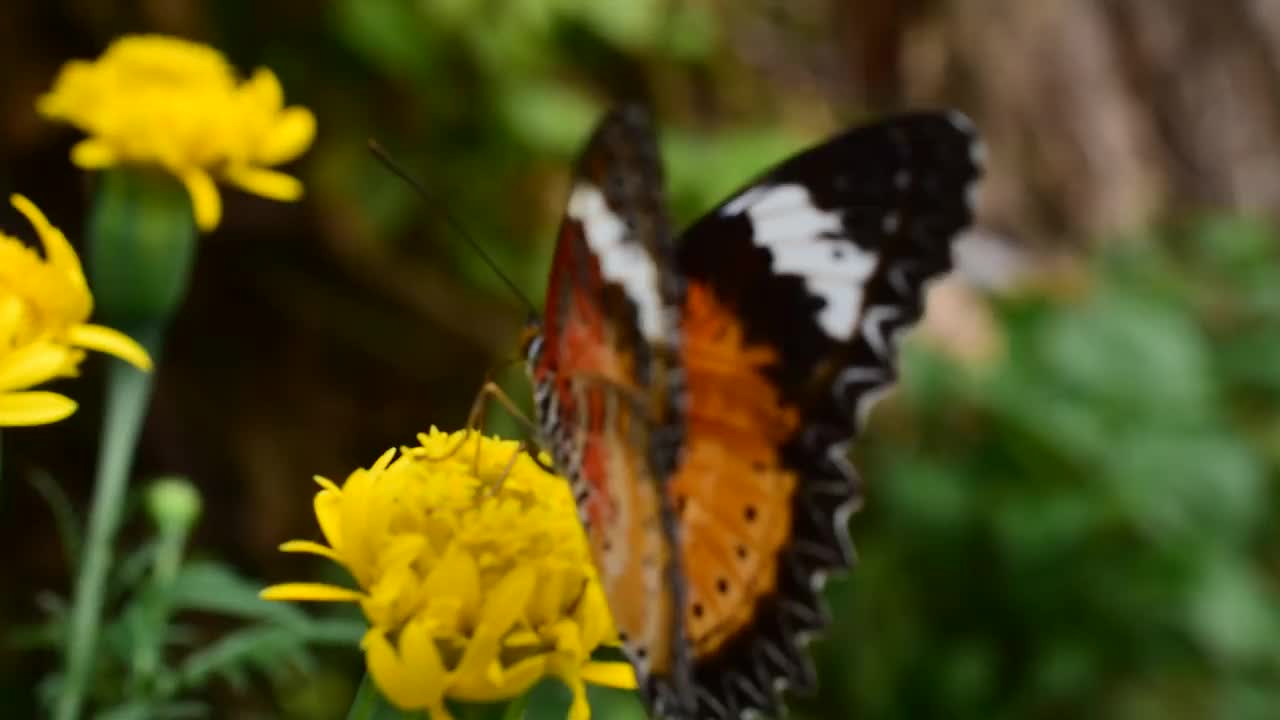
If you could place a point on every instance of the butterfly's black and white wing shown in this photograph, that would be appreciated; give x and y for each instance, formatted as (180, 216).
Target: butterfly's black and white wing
(813, 270)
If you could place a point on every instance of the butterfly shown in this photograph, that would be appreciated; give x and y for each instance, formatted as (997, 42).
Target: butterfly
(701, 390)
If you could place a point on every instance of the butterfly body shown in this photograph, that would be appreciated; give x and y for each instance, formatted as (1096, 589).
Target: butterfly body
(701, 391)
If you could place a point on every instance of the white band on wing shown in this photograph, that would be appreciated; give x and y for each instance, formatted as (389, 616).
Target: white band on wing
(622, 261)
(800, 235)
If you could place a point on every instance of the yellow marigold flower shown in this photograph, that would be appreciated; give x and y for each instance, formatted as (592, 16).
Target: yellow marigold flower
(473, 571)
(44, 303)
(162, 101)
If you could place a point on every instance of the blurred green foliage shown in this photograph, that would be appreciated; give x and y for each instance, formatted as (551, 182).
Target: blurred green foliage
(152, 663)
(1087, 526)
(493, 88)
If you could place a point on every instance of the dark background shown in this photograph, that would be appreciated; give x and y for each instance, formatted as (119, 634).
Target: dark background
(1072, 504)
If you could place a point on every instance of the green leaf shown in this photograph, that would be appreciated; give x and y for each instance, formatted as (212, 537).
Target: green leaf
(130, 572)
(216, 588)
(387, 33)
(632, 25)
(1233, 614)
(691, 32)
(1178, 485)
(370, 705)
(269, 648)
(703, 167)
(615, 703)
(65, 519)
(548, 116)
(140, 710)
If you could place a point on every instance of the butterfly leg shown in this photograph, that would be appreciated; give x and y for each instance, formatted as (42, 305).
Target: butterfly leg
(495, 487)
(490, 391)
(634, 399)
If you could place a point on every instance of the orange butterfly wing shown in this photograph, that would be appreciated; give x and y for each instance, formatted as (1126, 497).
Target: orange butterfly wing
(732, 492)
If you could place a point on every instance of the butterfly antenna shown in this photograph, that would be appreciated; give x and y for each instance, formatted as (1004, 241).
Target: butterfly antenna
(395, 167)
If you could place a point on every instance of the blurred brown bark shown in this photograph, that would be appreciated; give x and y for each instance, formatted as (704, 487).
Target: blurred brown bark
(1102, 116)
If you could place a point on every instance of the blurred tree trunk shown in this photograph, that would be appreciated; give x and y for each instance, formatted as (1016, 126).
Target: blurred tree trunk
(1100, 115)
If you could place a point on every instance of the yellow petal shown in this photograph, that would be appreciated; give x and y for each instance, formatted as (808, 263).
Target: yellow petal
(328, 509)
(498, 682)
(518, 678)
(291, 135)
(314, 592)
(36, 363)
(358, 513)
(395, 563)
(593, 613)
(267, 183)
(395, 678)
(34, 408)
(402, 551)
(264, 90)
(310, 548)
(52, 104)
(568, 641)
(93, 154)
(580, 709)
(383, 461)
(418, 651)
(546, 604)
(522, 639)
(610, 674)
(112, 342)
(502, 608)
(390, 601)
(456, 576)
(205, 202)
(11, 312)
(56, 248)
(392, 677)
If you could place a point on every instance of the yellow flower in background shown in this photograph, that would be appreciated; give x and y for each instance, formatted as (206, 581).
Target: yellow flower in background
(44, 303)
(473, 572)
(159, 101)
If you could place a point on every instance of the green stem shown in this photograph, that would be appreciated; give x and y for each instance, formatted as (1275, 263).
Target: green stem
(365, 703)
(142, 244)
(128, 392)
(174, 506)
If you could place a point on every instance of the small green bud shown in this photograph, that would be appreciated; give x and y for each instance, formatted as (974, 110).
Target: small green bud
(174, 504)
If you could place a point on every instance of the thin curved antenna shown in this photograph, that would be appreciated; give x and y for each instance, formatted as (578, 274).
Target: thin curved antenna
(385, 158)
